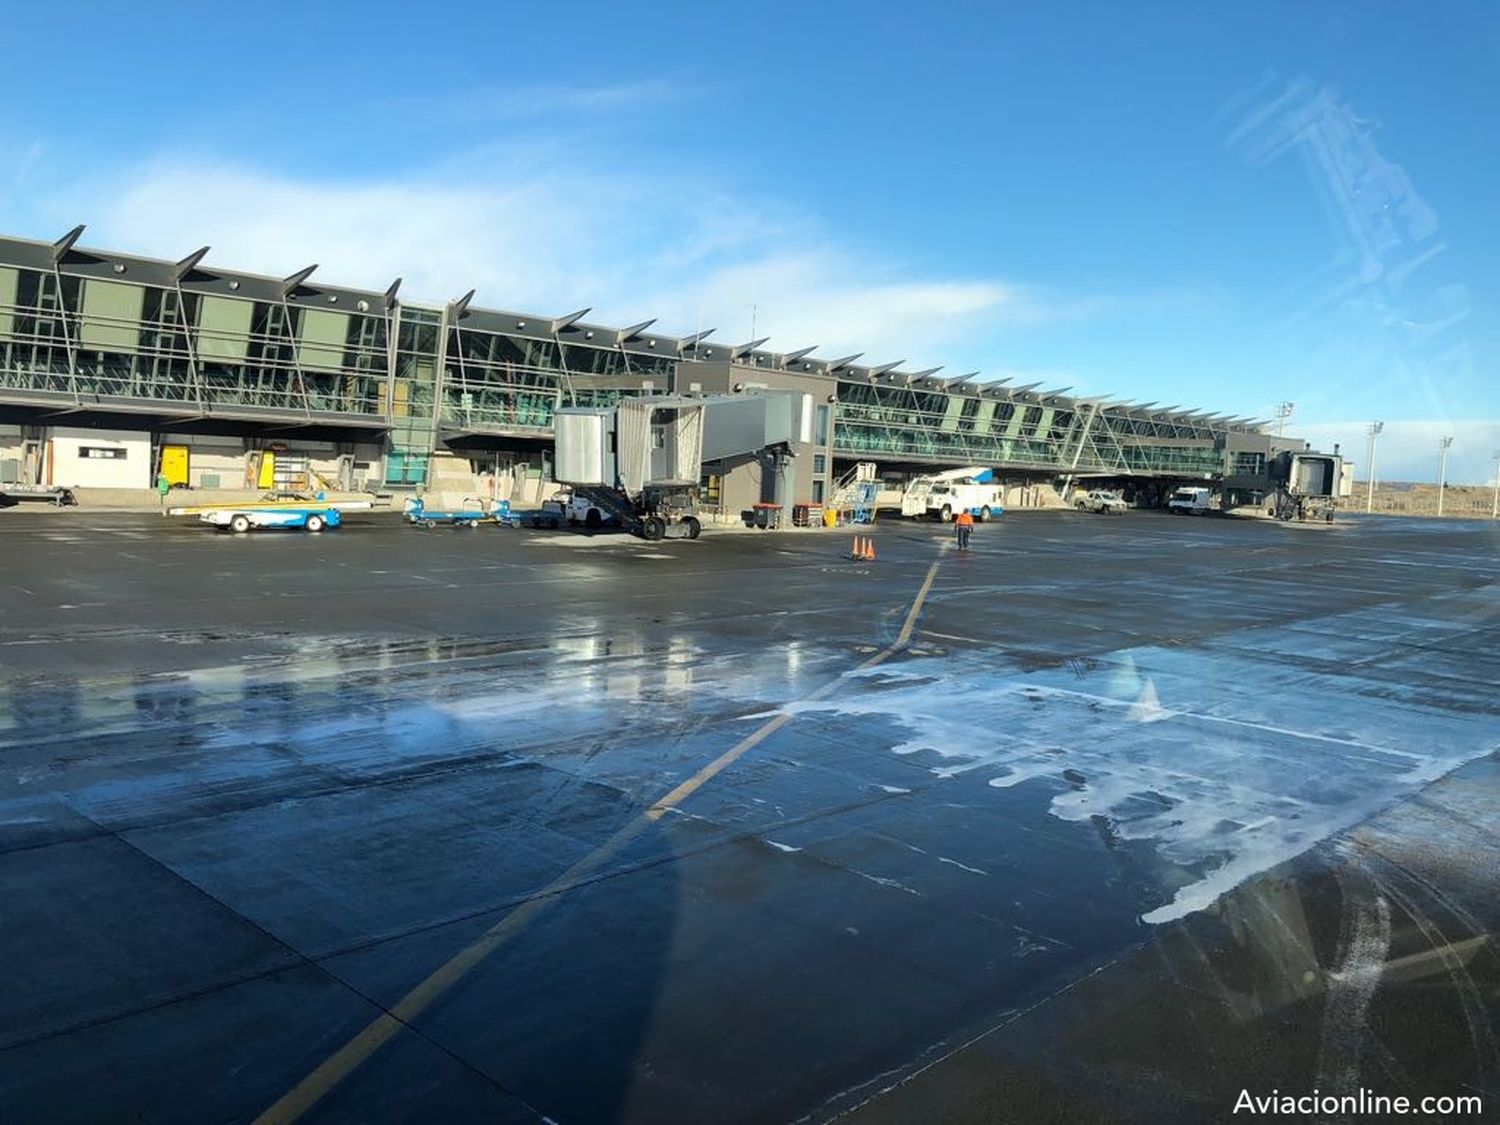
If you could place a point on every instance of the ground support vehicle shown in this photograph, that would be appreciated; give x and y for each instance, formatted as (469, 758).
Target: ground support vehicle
(855, 494)
(933, 493)
(54, 494)
(982, 501)
(1101, 500)
(578, 510)
(1192, 502)
(241, 520)
(306, 513)
(940, 496)
(471, 512)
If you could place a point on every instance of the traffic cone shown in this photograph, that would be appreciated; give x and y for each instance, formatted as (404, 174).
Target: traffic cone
(869, 548)
(854, 551)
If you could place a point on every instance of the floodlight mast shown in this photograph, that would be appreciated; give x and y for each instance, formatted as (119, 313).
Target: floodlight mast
(1374, 432)
(1443, 446)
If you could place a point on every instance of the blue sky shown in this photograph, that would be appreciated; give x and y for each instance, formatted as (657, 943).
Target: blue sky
(1194, 204)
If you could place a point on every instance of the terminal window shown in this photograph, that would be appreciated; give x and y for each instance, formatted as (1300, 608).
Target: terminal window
(101, 453)
(1249, 464)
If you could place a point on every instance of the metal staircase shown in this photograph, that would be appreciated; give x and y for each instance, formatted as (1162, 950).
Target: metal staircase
(855, 493)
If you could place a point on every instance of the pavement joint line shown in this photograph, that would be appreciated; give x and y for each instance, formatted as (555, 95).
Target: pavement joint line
(336, 1067)
(320, 959)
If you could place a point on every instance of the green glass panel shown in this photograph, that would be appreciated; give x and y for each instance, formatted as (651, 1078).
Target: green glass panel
(321, 340)
(8, 282)
(111, 316)
(952, 414)
(224, 329)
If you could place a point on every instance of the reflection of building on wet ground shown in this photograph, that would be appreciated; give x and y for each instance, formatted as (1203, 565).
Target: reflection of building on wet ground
(1150, 810)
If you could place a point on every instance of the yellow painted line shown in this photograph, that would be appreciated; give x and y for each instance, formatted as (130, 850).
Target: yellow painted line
(339, 1065)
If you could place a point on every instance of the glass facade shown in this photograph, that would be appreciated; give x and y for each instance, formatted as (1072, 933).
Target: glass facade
(896, 422)
(87, 330)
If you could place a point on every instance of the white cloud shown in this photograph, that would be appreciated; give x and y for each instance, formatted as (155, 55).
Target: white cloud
(535, 232)
(573, 102)
(1408, 450)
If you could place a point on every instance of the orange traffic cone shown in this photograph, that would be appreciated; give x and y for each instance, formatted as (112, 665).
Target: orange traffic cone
(869, 548)
(854, 551)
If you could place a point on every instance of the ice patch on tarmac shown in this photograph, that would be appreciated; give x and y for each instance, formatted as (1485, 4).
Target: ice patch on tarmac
(1229, 763)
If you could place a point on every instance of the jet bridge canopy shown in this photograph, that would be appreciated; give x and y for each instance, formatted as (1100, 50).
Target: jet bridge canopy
(660, 441)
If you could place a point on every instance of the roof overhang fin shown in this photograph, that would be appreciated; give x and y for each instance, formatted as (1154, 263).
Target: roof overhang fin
(290, 285)
(459, 307)
(748, 347)
(843, 361)
(568, 321)
(390, 294)
(65, 243)
(625, 335)
(190, 263)
(800, 353)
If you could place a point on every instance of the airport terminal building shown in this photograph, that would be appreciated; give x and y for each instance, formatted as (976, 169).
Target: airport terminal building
(114, 368)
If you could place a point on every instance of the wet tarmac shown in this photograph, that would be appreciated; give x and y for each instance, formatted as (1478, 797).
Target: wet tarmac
(1129, 815)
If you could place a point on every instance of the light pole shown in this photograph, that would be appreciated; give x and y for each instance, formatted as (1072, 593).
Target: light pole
(1283, 412)
(1374, 431)
(1495, 503)
(1443, 447)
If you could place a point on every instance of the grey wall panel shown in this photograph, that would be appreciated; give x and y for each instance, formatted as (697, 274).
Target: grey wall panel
(582, 455)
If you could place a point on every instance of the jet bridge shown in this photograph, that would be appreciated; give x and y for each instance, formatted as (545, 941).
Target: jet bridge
(641, 460)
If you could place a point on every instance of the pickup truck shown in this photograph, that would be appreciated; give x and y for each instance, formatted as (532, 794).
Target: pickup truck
(1100, 500)
(575, 511)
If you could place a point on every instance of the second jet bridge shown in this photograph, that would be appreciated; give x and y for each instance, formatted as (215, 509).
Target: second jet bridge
(643, 458)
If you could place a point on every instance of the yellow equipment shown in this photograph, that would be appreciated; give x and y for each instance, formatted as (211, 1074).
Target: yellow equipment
(174, 464)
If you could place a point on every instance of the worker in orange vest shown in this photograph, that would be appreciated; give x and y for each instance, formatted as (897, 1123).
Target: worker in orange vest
(963, 527)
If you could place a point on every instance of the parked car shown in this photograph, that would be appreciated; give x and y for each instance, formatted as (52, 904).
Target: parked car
(1100, 500)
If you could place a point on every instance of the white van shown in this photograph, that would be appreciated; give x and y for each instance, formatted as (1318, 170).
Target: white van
(1192, 502)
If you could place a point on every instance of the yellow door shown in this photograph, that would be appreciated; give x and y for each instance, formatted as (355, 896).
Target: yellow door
(174, 464)
(267, 476)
